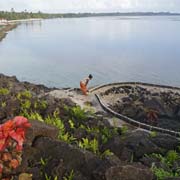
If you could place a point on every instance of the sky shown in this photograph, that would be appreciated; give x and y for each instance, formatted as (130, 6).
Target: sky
(64, 6)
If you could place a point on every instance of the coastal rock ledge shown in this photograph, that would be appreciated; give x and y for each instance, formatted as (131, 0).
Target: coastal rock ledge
(66, 142)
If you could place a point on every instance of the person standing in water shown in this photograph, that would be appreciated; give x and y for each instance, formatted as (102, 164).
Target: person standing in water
(84, 83)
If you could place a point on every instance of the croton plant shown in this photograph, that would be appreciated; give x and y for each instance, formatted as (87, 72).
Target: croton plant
(12, 136)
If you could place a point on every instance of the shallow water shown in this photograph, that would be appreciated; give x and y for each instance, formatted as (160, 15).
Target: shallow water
(60, 52)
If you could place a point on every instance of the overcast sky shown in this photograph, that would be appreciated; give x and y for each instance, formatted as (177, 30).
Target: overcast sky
(91, 5)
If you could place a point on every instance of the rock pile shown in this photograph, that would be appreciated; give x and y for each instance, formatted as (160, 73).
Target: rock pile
(138, 102)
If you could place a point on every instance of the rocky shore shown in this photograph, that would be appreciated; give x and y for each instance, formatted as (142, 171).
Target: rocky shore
(66, 142)
(151, 105)
(5, 28)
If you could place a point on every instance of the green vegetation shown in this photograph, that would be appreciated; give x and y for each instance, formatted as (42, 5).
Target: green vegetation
(161, 174)
(26, 15)
(32, 115)
(43, 162)
(106, 153)
(167, 163)
(107, 134)
(4, 91)
(153, 134)
(91, 145)
(124, 129)
(78, 113)
(75, 118)
(3, 104)
(63, 135)
(24, 94)
(70, 176)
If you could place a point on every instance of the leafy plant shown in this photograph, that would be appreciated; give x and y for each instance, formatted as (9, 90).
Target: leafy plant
(43, 162)
(3, 104)
(91, 145)
(40, 104)
(47, 177)
(12, 136)
(32, 115)
(70, 176)
(78, 113)
(43, 104)
(168, 162)
(153, 134)
(124, 129)
(161, 174)
(26, 104)
(106, 153)
(24, 94)
(67, 137)
(71, 123)
(172, 156)
(107, 133)
(4, 91)
(63, 135)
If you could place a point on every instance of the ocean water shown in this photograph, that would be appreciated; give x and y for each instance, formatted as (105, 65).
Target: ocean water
(60, 52)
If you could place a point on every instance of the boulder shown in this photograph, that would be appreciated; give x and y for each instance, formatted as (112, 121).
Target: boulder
(40, 129)
(156, 104)
(72, 158)
(134, 144)
(165, 141)
(129, 172)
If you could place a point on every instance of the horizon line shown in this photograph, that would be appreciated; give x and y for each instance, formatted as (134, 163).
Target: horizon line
(115, 12)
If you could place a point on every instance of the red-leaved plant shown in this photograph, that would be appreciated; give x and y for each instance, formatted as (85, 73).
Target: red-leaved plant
(12, 136)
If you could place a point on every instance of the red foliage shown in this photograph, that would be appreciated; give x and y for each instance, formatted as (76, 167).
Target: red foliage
(13, 129)
(152, 116)
(12, 136)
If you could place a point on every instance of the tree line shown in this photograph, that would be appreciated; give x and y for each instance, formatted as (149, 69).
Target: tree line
(26, 15)
(12, 15)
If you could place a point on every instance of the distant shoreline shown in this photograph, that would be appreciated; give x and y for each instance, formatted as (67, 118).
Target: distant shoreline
(40, 15)
(5, 28)
(24, 20)
(11, 24)
(118, 14)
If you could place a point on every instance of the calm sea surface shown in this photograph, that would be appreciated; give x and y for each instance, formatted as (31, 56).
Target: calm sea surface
(60, 52)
